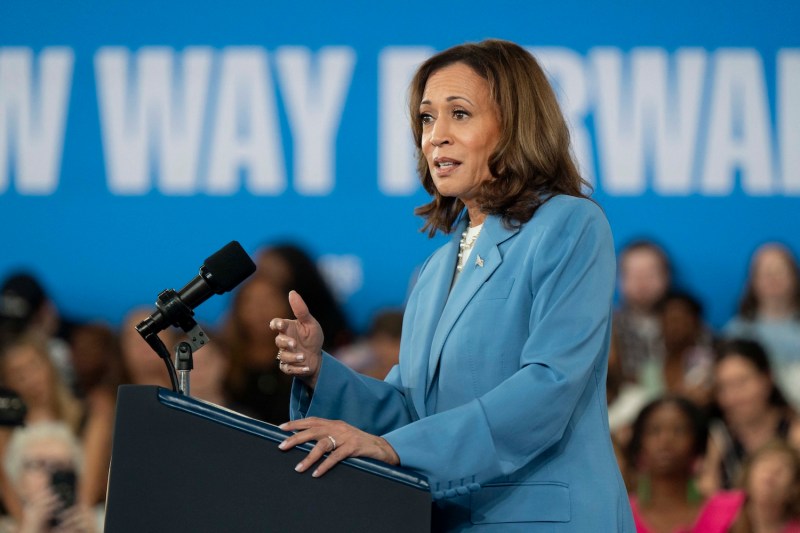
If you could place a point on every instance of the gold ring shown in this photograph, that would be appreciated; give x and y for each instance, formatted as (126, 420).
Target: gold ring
(278, 357)
(333, 441)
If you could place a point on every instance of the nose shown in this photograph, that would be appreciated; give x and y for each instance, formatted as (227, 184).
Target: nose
(440, 134)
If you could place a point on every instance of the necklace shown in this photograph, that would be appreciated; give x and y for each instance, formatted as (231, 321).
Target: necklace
(465, 247)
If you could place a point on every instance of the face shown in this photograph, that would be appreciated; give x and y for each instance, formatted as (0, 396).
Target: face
(668, 440)
(679, 323)
(771, 479)
(644, 280)
(742, 391)
(259, 302)
(460, 130)
(29, 374)
(772, 274)
(39, 461)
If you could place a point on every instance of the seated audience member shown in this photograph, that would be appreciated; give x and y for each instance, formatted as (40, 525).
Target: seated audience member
(141, 365)
(770, 314)
(43, 461)
(644, 279)
(752, 413)
(98, 367)
(379, 351)
(25, 309)
(26, 368)
(254, 380)
(769, 498)
(291, 268)
(688, 353)
(668, 442)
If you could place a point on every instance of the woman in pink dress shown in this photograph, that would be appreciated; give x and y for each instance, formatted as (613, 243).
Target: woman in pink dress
(769, 501)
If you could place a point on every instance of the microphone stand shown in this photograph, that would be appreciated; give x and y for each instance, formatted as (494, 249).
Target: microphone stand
(180, 315)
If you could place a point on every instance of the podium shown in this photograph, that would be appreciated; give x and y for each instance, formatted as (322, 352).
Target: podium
(183, 465)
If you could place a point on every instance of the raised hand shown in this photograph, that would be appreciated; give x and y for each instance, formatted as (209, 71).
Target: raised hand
(299, 342)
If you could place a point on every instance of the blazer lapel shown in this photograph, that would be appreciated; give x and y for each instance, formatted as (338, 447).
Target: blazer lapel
(433, 296)
(483, 261)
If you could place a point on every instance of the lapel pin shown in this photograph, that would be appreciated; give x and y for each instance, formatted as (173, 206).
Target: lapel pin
(479, 261)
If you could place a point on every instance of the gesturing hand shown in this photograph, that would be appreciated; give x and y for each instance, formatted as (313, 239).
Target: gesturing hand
(339, 438)
(299, 342)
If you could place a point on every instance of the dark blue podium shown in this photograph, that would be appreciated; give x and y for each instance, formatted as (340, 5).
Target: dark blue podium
(182, 465)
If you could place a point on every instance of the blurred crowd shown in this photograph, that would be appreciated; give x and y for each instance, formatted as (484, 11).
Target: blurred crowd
(704, 422)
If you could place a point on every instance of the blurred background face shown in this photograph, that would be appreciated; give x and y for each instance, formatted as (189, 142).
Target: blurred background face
(141, 362)
(772, 274)
(259, 302)
(772, 478)
(667, 441)
(28, 374)
(742, 391)
(644, 280)
(39, 461)
(679, 324)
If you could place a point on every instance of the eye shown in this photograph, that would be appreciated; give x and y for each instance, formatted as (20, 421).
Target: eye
(425, 118)
(460, 114)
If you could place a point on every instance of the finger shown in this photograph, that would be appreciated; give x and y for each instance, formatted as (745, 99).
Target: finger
(336, 456)
(302, 423)
(280, 324)
(293, 369)
(320, 448)
(299, 307)
(285, 342)
(287, 356)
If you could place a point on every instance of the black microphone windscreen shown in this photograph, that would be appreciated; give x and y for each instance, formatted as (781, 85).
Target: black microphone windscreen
(228, 267)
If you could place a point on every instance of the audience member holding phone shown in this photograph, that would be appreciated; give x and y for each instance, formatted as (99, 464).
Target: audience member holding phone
(43, 461)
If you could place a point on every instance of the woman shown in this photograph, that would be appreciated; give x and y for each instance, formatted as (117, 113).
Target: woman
(770, 313)
(253, 379)
(645, 277)
(769, 498)
(753, 412)
(668, 443)
(26, 368)
(499, 396)
(688, 356)
(44, 464)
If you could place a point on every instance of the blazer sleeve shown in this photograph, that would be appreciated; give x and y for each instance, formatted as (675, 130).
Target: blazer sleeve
(508, 427)
(369, 404)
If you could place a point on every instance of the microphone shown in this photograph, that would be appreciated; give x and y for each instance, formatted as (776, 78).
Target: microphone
(220, 273)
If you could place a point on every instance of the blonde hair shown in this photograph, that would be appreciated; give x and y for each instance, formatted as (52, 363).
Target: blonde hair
(63, 404)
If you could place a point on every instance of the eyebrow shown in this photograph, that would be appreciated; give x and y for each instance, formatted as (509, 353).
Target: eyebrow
(449, 99)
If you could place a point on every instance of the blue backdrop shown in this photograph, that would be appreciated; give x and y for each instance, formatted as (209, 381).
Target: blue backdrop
(137, 138)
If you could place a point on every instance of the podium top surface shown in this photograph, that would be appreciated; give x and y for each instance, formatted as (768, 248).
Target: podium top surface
(232, 419)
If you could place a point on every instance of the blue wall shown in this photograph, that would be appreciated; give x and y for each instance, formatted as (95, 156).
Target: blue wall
(138, 138)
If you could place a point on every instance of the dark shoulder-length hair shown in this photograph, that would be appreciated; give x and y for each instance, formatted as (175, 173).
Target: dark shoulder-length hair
(532, 160)
(694, 415)
(748, 306)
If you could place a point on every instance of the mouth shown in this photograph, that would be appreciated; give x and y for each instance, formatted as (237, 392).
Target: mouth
(445, 165)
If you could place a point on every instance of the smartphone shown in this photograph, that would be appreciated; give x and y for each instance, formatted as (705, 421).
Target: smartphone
(62, 483)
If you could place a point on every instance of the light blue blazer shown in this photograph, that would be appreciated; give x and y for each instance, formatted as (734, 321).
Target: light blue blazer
(499, 396)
